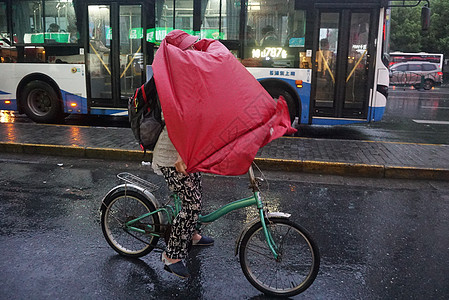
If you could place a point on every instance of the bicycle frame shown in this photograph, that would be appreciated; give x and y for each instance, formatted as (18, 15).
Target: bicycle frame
(171, 212)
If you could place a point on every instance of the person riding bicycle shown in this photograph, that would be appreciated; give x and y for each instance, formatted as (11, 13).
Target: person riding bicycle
(168, 162)
(217, 117)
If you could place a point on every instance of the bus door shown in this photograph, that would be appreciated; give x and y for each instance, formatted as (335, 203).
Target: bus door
(114, 61)
(343, 55)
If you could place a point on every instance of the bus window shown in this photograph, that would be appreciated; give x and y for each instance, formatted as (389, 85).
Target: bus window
(164, 16)
(326, 59)
(226, 28)
(184, 14)
(28, 23)
(131, 57)
(100, 36)
(167, 20)
(7, 52)
(58, 26)
(60, 22)
(358, 55)
(275, 35)
(4, 36)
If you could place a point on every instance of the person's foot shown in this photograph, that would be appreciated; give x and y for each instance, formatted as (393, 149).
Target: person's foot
(199, 240)
(175, 266)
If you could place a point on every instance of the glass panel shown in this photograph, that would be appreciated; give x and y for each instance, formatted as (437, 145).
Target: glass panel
(60, 22)
(357, 71)
(326, 59)
(427, 67)
(131, 58)
(275, 34)
(184, 15)
(164, 15)
(7, 53)
(414, 67)
(183, 19)
(386, 38)
(401, 68)
(226, 28)
(28, 21)
(100, 35)
(3, 23)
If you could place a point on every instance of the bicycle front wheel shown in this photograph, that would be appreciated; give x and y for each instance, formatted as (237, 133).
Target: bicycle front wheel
(297, 264)
(134, 240)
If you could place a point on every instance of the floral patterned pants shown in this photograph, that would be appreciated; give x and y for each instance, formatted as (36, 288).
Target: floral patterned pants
(189, 190)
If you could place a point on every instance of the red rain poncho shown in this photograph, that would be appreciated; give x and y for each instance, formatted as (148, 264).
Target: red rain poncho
(217, 114)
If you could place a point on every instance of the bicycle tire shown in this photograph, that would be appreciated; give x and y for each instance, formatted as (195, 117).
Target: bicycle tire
(295, 269)
(124, 206)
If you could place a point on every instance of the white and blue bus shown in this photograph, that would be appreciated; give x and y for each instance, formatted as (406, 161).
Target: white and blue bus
(61, 57)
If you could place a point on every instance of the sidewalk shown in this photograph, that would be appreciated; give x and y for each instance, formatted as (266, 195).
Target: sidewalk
(338, 157)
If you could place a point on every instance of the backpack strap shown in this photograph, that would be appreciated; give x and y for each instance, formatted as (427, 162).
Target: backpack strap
(144, 95)
(135, 99)
(142, 88)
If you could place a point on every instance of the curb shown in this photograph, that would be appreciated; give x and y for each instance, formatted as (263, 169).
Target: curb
(301, 166)
(354, 169)
(74, 151)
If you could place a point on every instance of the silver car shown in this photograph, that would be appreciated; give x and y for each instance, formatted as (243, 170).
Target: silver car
(417, 74)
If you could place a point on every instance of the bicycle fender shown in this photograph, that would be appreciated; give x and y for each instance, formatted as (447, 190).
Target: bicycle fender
(135, 188)
(276, 214)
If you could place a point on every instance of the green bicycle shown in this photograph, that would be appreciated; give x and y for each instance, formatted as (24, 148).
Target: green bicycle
(277, 256)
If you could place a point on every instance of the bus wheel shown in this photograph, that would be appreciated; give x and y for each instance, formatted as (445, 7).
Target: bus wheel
(41, 103)
(277, 92)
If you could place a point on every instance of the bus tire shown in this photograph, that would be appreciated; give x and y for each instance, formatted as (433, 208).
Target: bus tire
(276, 92)
(41, 102)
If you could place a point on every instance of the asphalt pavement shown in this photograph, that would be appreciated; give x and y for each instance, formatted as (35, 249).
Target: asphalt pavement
(311, 155)
(378, 238)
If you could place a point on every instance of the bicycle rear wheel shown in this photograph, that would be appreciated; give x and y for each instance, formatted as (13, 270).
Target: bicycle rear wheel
(123, 207)
(293, 271)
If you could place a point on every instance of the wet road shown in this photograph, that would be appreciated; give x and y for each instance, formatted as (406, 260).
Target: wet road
(411, 116)
(379, 239)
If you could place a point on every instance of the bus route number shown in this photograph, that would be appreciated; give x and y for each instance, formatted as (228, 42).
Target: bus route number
(272, 52)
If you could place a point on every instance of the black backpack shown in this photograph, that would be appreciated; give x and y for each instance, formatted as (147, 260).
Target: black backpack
(144, 111)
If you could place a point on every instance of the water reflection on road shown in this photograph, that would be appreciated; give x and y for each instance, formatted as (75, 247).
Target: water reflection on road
(411, 116)
(7, 116)
(432, 106)
(10, 133)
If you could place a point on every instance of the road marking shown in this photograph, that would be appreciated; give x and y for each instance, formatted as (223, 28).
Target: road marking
(433, 107)
(431, 122)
